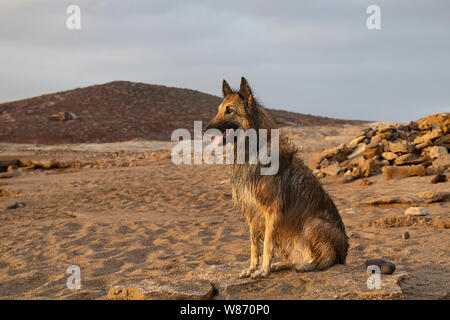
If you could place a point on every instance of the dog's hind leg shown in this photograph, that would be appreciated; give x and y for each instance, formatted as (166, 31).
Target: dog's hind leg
(317, 248)
(282, 265)
(306, 267)
(255, 253)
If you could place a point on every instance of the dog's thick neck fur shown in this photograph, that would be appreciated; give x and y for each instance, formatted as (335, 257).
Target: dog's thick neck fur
(259, 118)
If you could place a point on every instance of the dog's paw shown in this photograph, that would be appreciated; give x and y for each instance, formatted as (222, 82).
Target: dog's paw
(259, 274)
(246, 273)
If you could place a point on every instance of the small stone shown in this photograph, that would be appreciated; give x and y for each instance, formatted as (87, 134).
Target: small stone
(64, 116)
(439, 178)
(369, 134)
(338, 153)
(405, 235)
(422, 145)
(433, 196)
(324, 163)
(388, 134)
(401, 147)
(442, 163)
(347, 178)
(356, 172)
(409, 158)
(436, 152)
(372, 144)
(376, 139)
(385, 127)
(6, 193)
(358, 151)
(17, 205)
(346, 164)
(430, 135)
(370, 167)
(416, 211)
(365, 182)
(371, 153)
(385, 266)
(356, 141)
(443, 141)
(446, 126)
(389, 155)
(413, 125)
(394, 172)
(332, 170)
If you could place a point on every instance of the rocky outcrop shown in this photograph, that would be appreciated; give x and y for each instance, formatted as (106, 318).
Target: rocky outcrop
(421, 145)
(153, 290)
(338, 282)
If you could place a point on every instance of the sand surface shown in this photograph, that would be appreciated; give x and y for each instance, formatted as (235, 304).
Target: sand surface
(156, 220)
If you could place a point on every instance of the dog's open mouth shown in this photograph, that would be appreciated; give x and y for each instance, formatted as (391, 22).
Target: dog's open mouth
(222, 138)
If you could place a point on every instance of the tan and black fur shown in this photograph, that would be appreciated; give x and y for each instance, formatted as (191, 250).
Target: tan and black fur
(289, 211)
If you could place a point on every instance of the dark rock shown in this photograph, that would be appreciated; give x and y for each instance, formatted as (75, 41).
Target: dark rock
(17, 205)
(439, 178)
(385, 266)
(405, 235)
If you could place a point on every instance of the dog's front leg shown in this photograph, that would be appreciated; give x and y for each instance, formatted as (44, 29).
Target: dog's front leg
(254, 251)
(268, 248)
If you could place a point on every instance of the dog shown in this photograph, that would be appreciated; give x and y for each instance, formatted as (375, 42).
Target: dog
(289, 210)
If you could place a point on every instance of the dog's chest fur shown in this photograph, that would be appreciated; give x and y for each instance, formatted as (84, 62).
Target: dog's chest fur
(244, 181)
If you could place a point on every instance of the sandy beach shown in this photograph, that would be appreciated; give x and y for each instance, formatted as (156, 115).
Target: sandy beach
(128, 214)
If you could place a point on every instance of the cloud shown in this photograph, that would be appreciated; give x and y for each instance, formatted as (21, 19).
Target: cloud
(301, 56)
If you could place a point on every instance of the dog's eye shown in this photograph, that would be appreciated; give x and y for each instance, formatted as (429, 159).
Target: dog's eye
(228, 110)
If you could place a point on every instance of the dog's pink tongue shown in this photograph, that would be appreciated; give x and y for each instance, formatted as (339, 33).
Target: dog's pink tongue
(218, 139)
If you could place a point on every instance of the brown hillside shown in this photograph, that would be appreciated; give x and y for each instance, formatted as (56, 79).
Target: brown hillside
(119, 111)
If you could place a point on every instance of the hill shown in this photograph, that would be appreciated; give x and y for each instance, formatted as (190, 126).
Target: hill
(118, 111)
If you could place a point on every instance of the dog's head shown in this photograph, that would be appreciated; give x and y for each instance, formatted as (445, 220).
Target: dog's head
(237, 110)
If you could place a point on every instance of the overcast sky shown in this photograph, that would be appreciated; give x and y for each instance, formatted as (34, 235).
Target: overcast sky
(314, 57)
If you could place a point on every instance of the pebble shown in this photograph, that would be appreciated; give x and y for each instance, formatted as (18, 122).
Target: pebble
(416, 211)
(405, 235)
(439, 178)
(17, 205)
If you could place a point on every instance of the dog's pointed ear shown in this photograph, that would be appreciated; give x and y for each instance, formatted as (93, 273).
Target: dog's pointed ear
(246, 91)
(226, 89)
